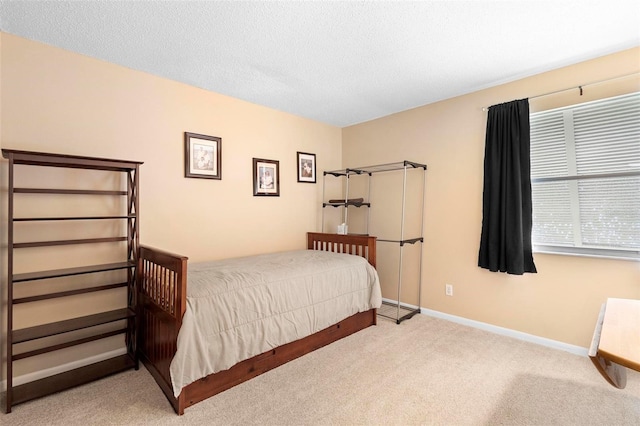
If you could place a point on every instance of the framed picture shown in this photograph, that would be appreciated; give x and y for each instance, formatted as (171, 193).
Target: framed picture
(202, 156)
(266, 177)
(306, 167)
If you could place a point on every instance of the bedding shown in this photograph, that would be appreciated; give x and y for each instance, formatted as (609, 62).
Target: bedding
(239, 308)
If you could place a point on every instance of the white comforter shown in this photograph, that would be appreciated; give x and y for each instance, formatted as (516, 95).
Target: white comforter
(239, 308)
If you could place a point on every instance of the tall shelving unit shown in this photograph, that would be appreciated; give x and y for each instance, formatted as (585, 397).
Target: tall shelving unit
(395, 310)
(40, 336)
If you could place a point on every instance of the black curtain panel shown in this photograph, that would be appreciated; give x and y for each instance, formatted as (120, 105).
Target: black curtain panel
(505, 244)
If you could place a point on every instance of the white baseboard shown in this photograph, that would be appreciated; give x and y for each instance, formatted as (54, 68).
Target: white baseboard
(37, 375)
(554, 344)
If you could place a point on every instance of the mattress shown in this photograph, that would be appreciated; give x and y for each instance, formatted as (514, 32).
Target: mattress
(239, 308)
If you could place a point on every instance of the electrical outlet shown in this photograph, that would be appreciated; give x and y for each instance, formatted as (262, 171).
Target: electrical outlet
(448, 289)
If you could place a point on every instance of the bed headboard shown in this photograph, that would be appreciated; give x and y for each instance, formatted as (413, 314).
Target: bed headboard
(359, 245)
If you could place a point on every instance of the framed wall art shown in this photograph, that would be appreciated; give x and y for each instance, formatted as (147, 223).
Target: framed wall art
(266, 177)
(306, 167)
(202, 156)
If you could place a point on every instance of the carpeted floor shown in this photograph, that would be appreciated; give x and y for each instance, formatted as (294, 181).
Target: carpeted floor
(425, 371)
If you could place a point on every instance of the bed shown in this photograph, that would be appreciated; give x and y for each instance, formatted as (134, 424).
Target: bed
(193, 354)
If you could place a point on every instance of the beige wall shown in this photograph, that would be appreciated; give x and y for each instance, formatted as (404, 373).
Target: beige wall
(62, 102)
(562, 301)
(56, 101)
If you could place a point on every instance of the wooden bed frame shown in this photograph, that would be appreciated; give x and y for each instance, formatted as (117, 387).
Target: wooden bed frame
(161, 302)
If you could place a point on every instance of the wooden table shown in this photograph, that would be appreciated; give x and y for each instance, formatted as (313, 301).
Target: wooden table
(616, 340)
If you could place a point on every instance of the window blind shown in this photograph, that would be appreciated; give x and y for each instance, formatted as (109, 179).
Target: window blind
(585, 169)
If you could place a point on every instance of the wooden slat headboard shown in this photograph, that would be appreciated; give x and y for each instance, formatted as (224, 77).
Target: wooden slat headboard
(359, 245)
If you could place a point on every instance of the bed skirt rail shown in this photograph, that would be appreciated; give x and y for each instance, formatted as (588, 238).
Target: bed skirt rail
(161, 305)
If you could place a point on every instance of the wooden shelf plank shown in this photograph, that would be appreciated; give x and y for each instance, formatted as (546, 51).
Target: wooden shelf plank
(69, 242)
(51, 329)
(66, 191)
(34, 219)
(73, 378)
(56, 295)
(68, 161)
(40, 275)
(17, 357)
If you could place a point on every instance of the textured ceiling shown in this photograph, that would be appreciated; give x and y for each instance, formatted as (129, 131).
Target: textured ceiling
(338, 62)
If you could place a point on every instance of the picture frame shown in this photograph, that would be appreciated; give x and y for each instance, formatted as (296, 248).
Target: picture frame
(306, 164)
(202, 156)
(266, 177)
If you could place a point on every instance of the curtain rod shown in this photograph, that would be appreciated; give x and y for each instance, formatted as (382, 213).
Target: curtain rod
(580, 87)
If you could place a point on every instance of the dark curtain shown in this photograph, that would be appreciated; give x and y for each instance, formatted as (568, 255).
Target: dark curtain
(505, 244)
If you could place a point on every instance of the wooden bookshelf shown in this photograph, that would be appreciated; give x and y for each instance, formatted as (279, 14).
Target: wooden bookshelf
(64, 329)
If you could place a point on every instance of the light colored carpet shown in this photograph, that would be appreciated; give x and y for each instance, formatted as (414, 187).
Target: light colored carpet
(424, 371)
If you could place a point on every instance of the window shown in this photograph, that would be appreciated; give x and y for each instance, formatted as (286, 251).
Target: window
(585, 178)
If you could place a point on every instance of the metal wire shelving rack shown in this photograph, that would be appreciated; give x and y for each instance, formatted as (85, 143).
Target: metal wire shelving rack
(392, 309)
